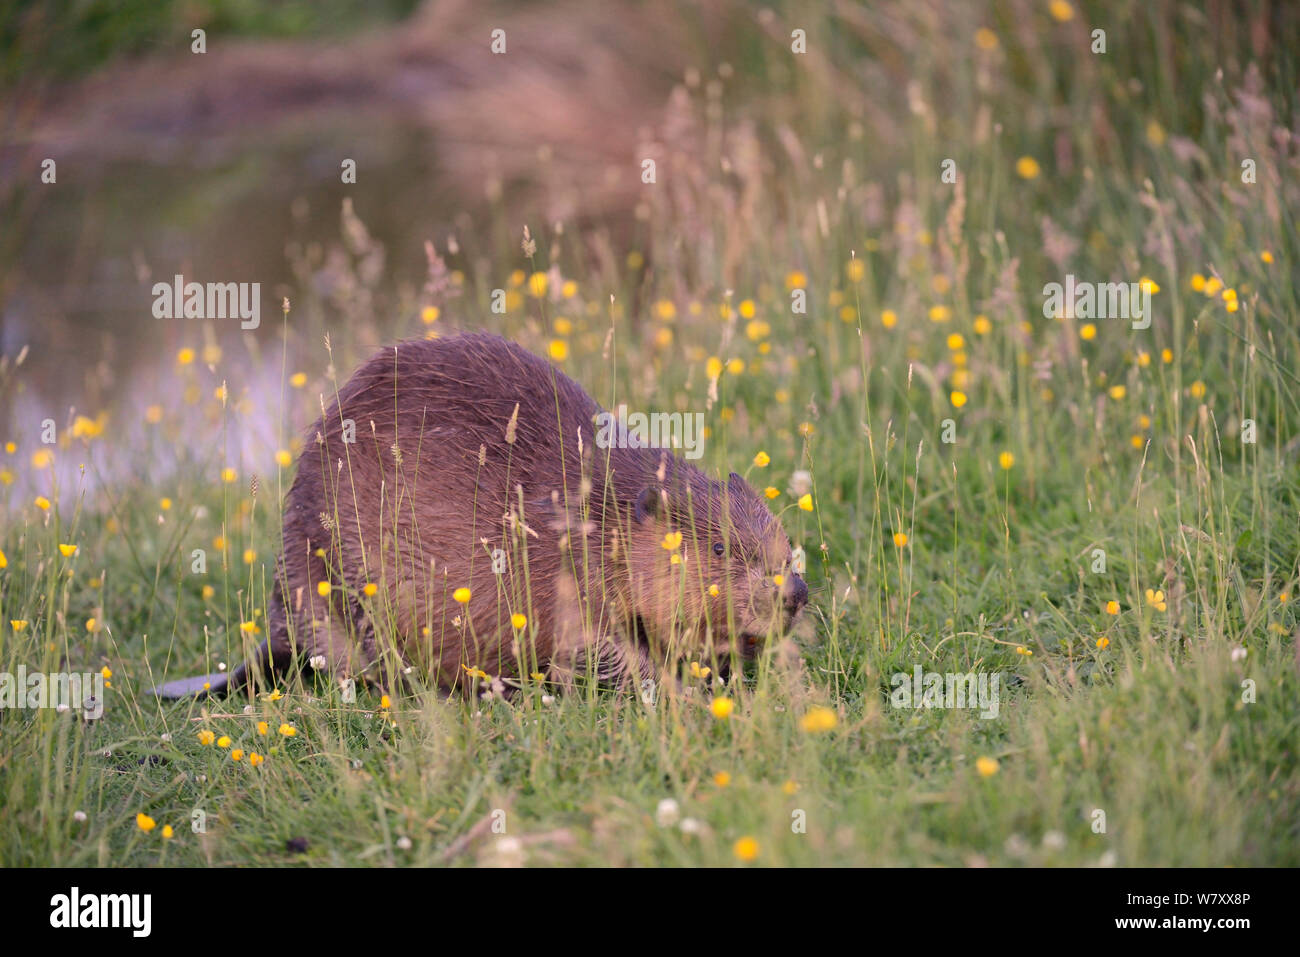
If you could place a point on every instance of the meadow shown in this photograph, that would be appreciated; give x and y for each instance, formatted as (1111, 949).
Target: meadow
(841, 261)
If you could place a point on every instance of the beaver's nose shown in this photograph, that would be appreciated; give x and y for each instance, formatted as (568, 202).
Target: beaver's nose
(795, 595)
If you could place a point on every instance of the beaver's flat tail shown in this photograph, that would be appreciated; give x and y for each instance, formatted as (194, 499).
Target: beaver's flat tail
(216, 683)
(220, 682)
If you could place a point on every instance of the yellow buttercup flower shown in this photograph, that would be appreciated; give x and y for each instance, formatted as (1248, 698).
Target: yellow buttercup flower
(1007, 460)
(987, 767)
(518, 621)
(762, 459)
(461, 595)
(1061, 10)
(806, 502)
(144, 822)
(1027, 167)
(722, 708)
(746, 849)
(819, 719)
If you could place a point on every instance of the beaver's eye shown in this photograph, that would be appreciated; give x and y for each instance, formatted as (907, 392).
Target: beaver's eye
(719, 548)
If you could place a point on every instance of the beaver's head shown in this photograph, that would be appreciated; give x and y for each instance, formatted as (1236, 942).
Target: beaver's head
(709, 559)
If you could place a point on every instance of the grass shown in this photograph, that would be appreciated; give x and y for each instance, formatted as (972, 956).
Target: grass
(1174, 727)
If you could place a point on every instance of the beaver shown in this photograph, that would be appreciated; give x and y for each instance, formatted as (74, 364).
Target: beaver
(452, 512)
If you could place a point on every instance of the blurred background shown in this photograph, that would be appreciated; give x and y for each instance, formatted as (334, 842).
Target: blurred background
(225, 165)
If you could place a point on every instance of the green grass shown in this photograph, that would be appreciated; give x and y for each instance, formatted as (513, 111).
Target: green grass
(997, 571)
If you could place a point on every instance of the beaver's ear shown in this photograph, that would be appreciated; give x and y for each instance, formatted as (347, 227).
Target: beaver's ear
(647, 504)
(736, 483)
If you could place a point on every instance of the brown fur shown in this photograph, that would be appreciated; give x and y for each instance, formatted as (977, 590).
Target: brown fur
(468, 444)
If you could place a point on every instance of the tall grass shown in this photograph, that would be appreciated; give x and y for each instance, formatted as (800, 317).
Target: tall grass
(1172, 719)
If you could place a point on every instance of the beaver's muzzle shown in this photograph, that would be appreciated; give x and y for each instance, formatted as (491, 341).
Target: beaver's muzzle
(794, 595)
